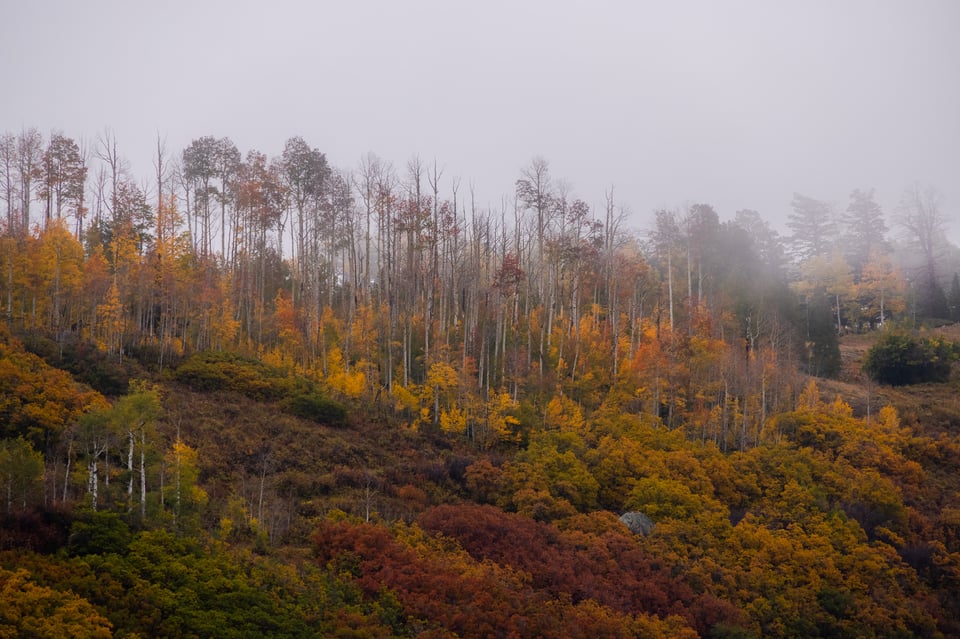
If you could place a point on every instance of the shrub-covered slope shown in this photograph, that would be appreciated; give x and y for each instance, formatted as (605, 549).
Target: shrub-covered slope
(221, 512)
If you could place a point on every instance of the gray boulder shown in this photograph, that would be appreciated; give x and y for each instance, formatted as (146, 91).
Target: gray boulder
(637, 523)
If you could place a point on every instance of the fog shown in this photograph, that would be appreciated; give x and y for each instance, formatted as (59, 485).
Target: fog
(738, 103)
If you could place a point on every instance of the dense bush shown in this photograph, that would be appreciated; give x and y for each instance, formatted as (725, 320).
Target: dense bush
(35, 529)
(38, 402)
(899, 359)
(82, 359)
(318, 408)
(442, 591)
(95, 532)
(209, 371)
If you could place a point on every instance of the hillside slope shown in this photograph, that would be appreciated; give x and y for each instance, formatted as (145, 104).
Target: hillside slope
(271, 524)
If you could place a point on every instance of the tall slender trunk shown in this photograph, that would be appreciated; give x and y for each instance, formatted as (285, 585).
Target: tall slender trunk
(66, 472)
(670, 289)
(143, 475)
(93, 482)
(130, 442)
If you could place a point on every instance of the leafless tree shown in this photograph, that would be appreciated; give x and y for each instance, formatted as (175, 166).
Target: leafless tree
(9, 181)
(924, 225)
(29, 162)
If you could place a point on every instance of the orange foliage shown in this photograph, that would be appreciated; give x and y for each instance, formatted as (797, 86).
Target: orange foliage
(38, 401)
(445, 590)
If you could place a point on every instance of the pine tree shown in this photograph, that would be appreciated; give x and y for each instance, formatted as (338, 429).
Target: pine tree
(812, 227)
(866, 230)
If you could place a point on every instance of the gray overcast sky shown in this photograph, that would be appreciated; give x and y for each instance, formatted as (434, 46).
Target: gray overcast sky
(733, 103)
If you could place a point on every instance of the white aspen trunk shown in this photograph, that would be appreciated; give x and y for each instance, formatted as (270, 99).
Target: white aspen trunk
(130, 441)
(92, 482)
(143, 476)
(763, 406)
(670, 289)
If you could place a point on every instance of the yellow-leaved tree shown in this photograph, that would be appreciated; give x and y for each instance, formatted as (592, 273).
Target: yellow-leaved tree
(58, 265)
(880, 291)
(832, 278)
(500, 423)
(110, 321)
(30, 610)
(184, 493)
(441, 389)
(565, 415)
(349, 383)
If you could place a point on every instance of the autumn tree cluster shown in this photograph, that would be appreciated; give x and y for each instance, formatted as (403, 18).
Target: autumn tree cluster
(396, 286)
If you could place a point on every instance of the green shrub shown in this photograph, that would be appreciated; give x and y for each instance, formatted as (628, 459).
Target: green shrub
(96, 532)
(318, 408)
(209, 371)
(84, 361)
(899, 359)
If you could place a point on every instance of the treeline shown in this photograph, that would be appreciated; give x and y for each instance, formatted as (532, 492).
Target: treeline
(388, 286)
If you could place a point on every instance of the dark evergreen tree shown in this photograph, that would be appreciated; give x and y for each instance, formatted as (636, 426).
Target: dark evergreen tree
(931, 299)
(767, 242)
(821, 355)
(866, 230)
(812, 227)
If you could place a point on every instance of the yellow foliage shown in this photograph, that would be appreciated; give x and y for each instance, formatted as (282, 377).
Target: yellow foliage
(500, 403)
(405, 399)
(659, 498)
(273, 357)
(187, 497)
(30, 610)
(110, 321)
(888, 420)
(565, 415)
(453, 420)
(881, 286)
(287, 320)
(226, 527)
(225, 327)
(840, 408)
(809, 397)
(348, 383)
(653, 627)
(334, 362)
(442, 376)
(354, 383)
